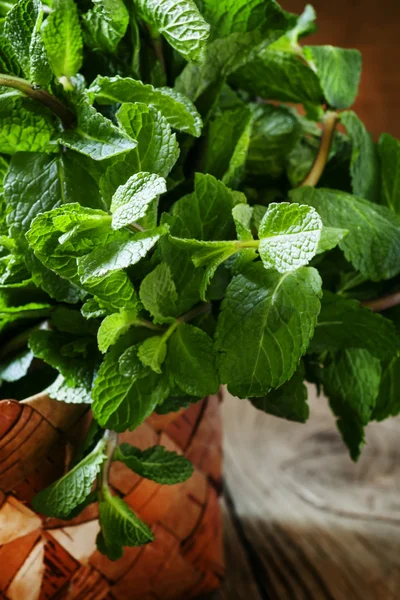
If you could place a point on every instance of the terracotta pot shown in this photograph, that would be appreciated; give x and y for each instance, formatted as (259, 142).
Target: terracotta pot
(50, 559)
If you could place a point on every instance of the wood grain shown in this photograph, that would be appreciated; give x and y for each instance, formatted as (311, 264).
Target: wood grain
(301, 520)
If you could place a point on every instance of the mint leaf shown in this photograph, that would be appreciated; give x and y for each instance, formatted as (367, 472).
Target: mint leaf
(227, 16)
(191, 361)
(343, 323)
(228, 142)
(74, 358)
(157, 150)
(373, 242)
(119, 527)
(289, 401)
(279, 76)
(155, 463)
(339, 71)
(387, 403)
(22, 32)
(60, 237)
(258, 346)
(62, 38)
(105, 24)
(96, 136)
(289, 236)
(207, 213)
(63, 496)
(132, 200)
(24, 125)
(16, 367)
(275, 131)
(123, 401)
(118, 254)
(352, 380)
(179, 22)
(303, 24)
(114, 326)
(364, 159)
(152, 352)
(174, 106)
(158, 294)
(62, 391)
(330, 237)
(389, 153)
(242, 215)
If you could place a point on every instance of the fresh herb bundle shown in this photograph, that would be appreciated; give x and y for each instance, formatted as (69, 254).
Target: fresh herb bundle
(168, 226)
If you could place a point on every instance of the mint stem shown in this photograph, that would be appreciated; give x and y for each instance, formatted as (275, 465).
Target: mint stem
(330, 120)
(111, 444)
(65, 114)
(200, 309)
(383, 303)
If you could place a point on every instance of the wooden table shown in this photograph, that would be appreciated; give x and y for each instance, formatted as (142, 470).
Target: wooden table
(301, 520)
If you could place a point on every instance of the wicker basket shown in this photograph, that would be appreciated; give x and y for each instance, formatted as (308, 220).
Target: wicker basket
(46, 558)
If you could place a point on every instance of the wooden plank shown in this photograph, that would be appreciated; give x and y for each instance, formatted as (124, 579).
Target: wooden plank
(315, 525)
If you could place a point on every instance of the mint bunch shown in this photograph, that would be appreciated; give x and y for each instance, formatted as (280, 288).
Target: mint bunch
(171, 223)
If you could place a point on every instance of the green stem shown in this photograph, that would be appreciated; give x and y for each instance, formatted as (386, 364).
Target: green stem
(65, 114)
(248, 244)
(19, 341)
(147, 324)
(197, 311)
(313, 177)
(112, 441)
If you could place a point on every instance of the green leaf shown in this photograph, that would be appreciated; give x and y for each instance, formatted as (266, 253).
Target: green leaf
(275, 131)
(339, 71)
(59, 350)
(229, 16)
(22, 32)
(352, 432)
(158, 294)
(123, 402)
(389, 152)
(16, 367)
(242, 215)
(265, 326)
(289, 401)
(191, 361)
(177, 109)
(114, 326)
(180, 22)
(364, 166)
(25, 125)
(157, 149)
(63, 496)
(289, 236)
(213, 256)
(62, 38)
(119, 527)
(61, 236)
(303, 25)
(155, 463)
(330, 238)
(105, 24)
(387, 403)
(227, 145)
(373, 243)
(351, 382)
(152, 352)
(132, 200)
(38, 182)
(343, 323)
(207, 213)
(62, 391)
(118, 254)
(279, 76)
(224, 56)
(8, 61)
(96, 136)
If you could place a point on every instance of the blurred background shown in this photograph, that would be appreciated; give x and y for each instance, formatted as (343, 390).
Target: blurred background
(372, 26)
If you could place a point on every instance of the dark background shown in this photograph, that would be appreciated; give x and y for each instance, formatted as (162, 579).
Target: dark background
(372, 26)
